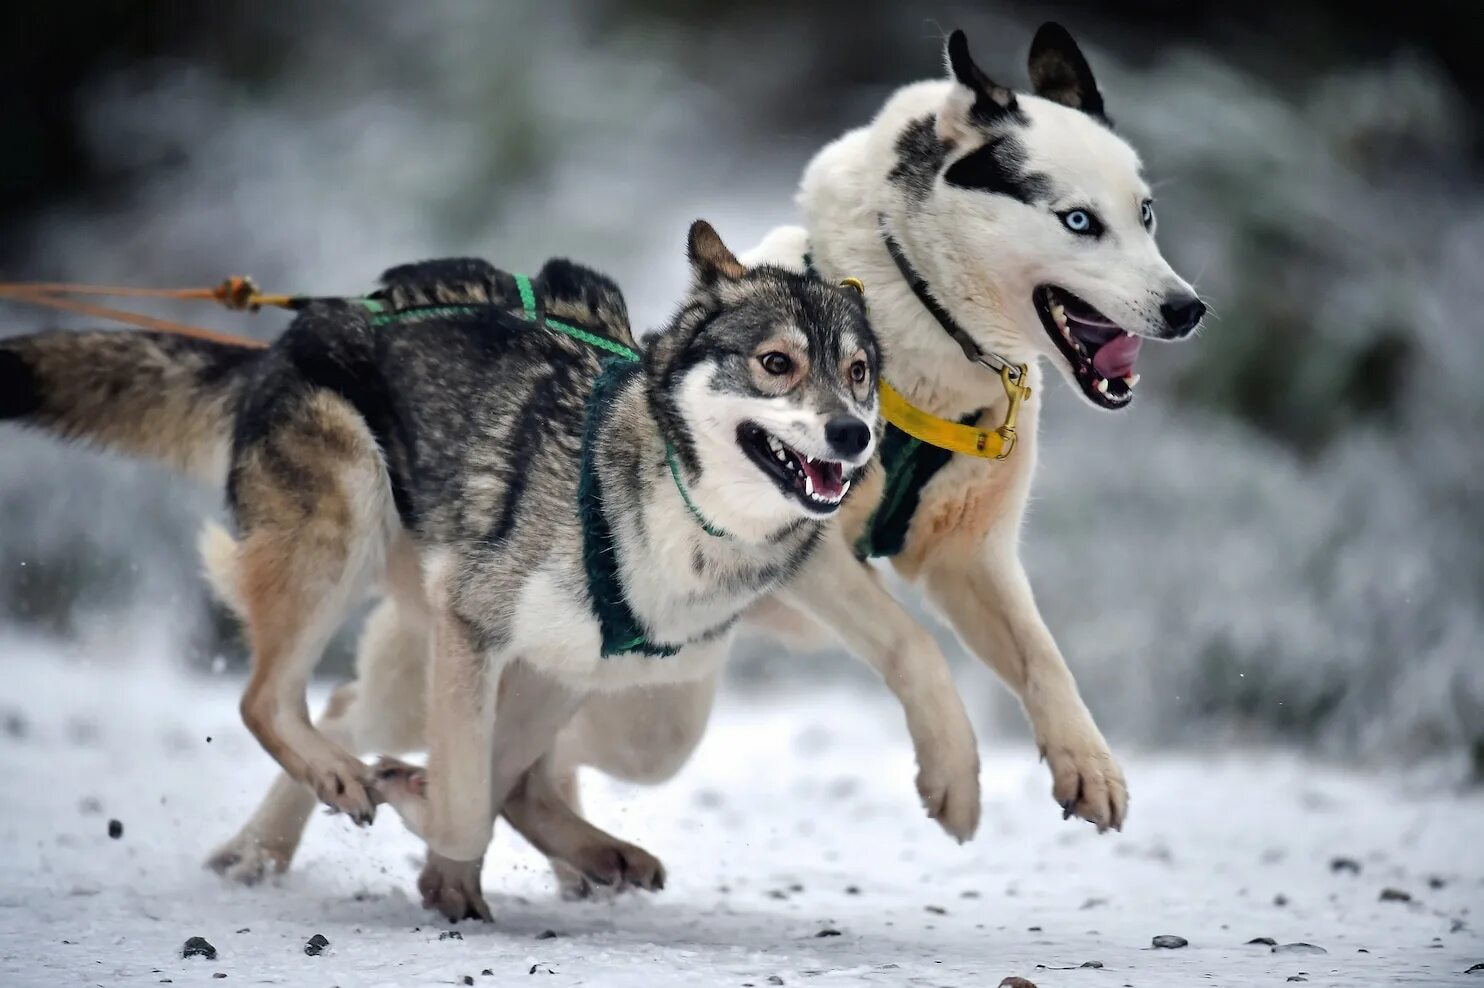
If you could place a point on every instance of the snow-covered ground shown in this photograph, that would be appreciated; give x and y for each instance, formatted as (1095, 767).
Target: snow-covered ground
(796, 856)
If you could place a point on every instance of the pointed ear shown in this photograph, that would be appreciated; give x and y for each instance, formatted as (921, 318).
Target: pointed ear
(710, 260)
(977, 99)
(1060, 74)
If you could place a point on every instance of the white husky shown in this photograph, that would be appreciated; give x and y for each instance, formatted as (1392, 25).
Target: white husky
(992, 229)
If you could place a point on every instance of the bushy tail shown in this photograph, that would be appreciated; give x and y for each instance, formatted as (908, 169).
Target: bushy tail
(154, 395)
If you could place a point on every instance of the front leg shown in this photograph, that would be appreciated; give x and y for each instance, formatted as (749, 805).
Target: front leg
(529, 711)
(984, 593)
(846, 595)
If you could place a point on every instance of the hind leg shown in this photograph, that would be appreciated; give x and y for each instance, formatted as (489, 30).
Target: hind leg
(312, 495)
(381, 710)
(544, 810)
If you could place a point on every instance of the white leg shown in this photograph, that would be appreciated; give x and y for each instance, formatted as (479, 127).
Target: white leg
(846, 596)
(985, 595)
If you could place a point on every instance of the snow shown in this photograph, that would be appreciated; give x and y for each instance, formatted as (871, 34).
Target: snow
(792, 802)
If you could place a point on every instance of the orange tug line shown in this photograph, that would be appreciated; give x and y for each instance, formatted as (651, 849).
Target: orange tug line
(236, 293)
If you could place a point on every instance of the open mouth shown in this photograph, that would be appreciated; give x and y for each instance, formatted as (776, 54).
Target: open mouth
(819, 485)
(1100, 352)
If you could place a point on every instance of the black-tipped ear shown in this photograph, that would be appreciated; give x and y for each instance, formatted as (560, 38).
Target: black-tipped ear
(710, 259)
(1060, 74)
(991, 100)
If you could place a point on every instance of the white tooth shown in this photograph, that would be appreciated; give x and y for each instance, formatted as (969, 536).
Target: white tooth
(1102, 386)
(844, 489)
(782, 456)
(808, 485)
(1130, 379)
(774, 444)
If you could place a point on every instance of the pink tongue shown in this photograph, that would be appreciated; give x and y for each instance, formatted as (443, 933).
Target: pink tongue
(828, 478)
(1116, 357)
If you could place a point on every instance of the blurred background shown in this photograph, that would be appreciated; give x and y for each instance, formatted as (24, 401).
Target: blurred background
(1281, 543)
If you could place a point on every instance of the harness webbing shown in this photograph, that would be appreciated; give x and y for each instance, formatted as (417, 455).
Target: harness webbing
(622, 633)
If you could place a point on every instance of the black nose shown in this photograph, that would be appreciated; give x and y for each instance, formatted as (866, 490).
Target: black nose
(847, 434)
(1182, 314)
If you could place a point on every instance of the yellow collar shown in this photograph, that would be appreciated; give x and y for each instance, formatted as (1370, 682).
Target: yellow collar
(953, 436)
(929, 428)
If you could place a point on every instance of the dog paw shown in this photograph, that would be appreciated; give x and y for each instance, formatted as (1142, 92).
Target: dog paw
(618, 867)
(452, 889)
(1086, 782)
(246, 859)
(948, 782)
(404, 787)
(341, 785)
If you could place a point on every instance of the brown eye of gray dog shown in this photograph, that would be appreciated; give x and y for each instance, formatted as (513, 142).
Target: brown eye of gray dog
(858, 372)
(776, 363)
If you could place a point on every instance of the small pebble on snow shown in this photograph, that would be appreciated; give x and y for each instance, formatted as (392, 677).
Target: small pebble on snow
(1168, 942)
(198, 947)
(115, 829)
(1395, 895)
(316, 945)
(1262, 941)
(1298, 948)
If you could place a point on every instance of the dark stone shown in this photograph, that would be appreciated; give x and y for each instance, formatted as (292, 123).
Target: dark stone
(1297, 977)
(1013, 982)
(1298, 948)
(468, 979)
(450, 935)
(828, 932)
(547, 935)
(219, 975)
(936, 910)
(115, 829)
(1280, 900)
(1338, 865)
(1395, 895)
(487, 973)
(852, 890)
(245, 929)
(1262, 941)
(1436, 882)
(1476, 969)
(1097, 964)
(198, 947)
(1456, 926)
(1167, 942)
(774, 979)
(316, 945)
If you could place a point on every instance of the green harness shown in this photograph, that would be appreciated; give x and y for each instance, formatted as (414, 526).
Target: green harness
(621, 630)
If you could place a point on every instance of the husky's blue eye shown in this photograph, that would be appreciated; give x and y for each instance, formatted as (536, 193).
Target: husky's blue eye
(1146, 213)
(1081, 222)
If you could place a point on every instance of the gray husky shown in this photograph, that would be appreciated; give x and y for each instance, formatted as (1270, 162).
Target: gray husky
(558, 514)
